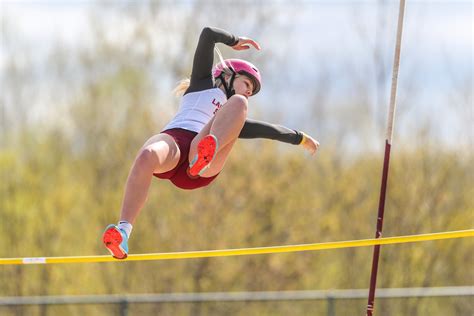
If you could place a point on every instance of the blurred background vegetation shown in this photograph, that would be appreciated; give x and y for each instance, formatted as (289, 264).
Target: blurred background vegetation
(74, 113)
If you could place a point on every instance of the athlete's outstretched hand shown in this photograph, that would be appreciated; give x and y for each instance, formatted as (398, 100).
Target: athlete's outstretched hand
(244, 43)
(310, 144)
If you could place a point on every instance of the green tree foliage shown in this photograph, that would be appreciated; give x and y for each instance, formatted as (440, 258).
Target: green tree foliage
(58, 201)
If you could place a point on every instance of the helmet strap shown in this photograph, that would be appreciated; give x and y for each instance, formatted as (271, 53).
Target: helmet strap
(229, 88)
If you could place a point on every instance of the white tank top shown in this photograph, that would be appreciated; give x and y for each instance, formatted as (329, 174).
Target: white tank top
(197, 108)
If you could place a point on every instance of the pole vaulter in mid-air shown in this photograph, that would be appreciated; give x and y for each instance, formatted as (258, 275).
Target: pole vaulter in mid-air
(193, 148)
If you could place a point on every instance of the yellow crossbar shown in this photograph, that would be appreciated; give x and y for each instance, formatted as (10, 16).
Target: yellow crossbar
(244, 251)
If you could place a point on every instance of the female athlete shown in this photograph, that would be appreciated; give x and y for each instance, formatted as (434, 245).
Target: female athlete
(193, 148)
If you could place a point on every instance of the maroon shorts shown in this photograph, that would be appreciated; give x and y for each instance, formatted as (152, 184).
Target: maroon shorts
(179, 175)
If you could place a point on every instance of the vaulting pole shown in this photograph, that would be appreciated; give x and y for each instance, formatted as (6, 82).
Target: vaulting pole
(386, 161)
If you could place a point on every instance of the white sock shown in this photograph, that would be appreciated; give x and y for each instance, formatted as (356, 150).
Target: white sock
(126, 226)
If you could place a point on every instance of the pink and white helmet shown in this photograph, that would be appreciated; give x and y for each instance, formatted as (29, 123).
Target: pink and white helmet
(241, 67)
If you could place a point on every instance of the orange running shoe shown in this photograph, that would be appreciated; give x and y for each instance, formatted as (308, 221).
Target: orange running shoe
(116, 241)
(207, 149)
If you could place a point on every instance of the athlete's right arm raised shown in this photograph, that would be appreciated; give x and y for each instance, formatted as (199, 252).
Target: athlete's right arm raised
(201, 75)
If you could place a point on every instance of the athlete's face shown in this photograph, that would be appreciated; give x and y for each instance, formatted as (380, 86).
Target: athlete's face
(243, 85)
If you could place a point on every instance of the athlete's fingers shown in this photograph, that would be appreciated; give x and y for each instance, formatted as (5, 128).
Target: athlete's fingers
(310, 144)
(241, 47)
(245, 43)
(254, 43)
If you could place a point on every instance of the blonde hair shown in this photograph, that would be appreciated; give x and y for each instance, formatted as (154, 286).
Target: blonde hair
(182, 86)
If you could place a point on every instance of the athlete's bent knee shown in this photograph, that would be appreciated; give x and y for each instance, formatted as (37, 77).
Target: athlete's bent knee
(147, 159)
(239, 101)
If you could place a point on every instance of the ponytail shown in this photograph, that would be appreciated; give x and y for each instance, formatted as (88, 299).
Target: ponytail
(183, 85)
(181, 88)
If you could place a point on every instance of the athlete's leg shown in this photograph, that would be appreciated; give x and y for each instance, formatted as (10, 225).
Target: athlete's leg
(225, 126)
(158, 155)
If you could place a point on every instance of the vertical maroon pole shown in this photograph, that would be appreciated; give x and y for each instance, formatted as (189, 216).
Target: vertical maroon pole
(386, 161)
(378, 233)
